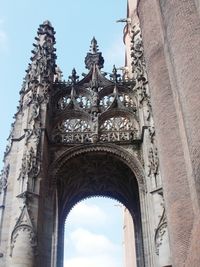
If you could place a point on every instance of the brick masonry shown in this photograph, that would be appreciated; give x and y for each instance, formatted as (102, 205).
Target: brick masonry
(171, 35)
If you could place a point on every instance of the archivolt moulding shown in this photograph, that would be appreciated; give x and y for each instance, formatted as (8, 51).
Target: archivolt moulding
(129, 159)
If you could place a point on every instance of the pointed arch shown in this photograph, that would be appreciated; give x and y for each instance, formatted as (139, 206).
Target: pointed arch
(129, 159)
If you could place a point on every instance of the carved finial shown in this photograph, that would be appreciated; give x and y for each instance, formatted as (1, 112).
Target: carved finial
(94, 47)
(115, 76)
(47, 22)
(46, 26)
(73, 77)
(94, 57)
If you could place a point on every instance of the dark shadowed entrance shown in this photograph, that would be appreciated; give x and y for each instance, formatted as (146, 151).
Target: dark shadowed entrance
(97, 173)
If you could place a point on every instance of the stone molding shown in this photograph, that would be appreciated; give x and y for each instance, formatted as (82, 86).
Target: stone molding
(128, 158)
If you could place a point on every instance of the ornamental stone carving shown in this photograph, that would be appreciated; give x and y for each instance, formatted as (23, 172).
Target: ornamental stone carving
(4, 178)
(139, 72)
(96, 109)
(43, 59)
(29, 170)
(153, 162)
(112, 149)
(35, 113)
(40, 72)
(161, 227)
(23, 226)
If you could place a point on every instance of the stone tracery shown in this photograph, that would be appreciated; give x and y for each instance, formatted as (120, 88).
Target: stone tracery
(110, 105)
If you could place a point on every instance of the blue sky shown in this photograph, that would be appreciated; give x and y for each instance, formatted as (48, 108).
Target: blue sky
(75, 23)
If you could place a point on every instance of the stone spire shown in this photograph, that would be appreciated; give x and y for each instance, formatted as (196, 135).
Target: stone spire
(93, 56)
(42, 66)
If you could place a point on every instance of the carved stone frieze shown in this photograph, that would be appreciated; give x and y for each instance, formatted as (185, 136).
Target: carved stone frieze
(115, 129)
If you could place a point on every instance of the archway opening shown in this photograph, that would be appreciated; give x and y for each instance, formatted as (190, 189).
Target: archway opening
(94, 234)
(97, 173)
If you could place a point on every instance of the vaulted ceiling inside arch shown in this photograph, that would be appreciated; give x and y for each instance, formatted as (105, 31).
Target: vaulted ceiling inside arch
(97, 174)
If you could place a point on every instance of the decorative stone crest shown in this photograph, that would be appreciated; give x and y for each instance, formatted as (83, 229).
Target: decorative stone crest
(96, 109)
(94, 57)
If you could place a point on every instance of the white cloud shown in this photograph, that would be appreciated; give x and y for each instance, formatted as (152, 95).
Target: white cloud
(105, 261)
(87, 214)
(92, 250)
(86, 241)
(89, 235)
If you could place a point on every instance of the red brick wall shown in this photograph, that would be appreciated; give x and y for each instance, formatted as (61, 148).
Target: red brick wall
(171, 35)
